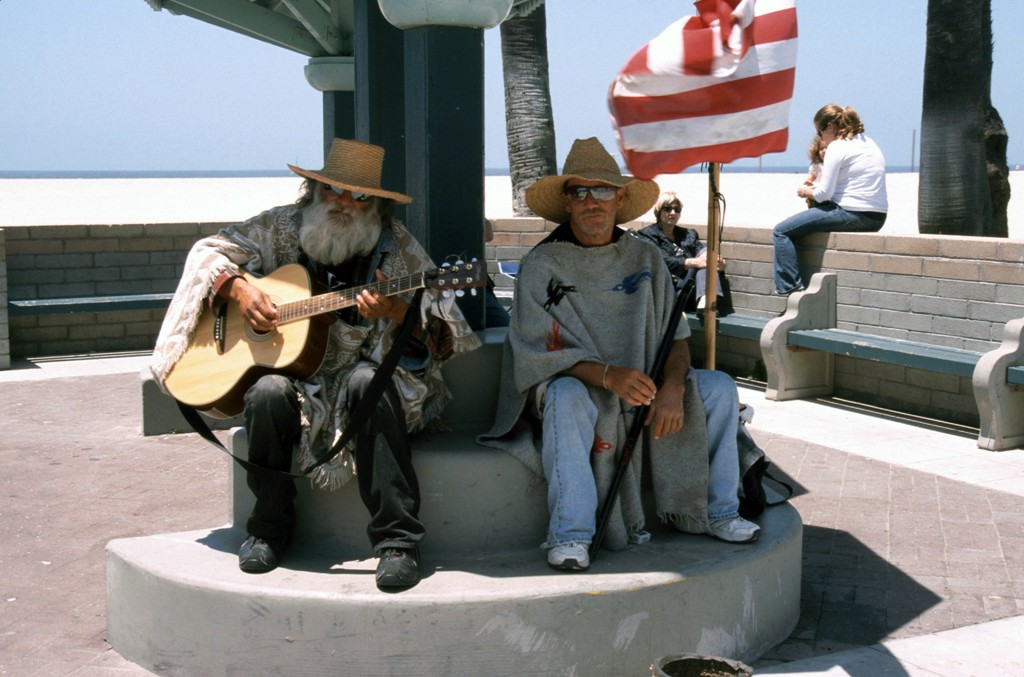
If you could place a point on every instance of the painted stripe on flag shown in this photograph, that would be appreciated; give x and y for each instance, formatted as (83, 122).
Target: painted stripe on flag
(663, 54)
(709, 129)
(668, 119)
(651, 164)
(732, 96)
(761, 59)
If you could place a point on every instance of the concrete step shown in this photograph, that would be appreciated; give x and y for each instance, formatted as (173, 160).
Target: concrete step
(178, 605)
(472, 498)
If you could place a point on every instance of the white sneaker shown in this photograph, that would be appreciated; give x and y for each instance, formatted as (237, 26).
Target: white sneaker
(569, 557)
(734, 530)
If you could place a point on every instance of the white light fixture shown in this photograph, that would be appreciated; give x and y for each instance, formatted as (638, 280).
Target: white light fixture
(463, 13)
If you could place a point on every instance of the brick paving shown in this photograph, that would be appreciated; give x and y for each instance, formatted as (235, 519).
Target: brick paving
(76, 474)
(889, 552)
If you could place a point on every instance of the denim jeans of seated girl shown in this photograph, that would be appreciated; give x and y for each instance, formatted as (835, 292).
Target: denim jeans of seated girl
(827, 217)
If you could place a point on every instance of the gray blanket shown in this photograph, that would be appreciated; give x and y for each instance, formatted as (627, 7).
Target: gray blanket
(603, 304)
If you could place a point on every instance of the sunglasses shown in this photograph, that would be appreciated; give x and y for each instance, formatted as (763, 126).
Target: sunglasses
(672, 208)
(358, 197)
(602, 193)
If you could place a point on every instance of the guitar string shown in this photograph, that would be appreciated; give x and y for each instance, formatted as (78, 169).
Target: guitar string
(316, 305)
(323, 303)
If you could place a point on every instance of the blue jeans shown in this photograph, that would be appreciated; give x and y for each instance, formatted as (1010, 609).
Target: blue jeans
(568, 436)
(827, 217)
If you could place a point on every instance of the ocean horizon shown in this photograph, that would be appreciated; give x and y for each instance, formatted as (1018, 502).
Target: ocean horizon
(274, 173)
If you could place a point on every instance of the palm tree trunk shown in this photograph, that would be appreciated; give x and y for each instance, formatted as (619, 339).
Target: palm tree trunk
(998, 171)
(529, 124)
(955, 196)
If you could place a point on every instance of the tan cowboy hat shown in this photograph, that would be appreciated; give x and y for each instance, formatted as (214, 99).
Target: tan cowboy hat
(589, 160)
(355, 166)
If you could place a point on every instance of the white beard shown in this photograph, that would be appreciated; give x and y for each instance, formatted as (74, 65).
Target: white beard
(332, 234)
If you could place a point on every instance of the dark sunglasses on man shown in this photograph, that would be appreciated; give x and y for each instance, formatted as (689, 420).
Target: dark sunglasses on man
(358, 197)
(602, 193)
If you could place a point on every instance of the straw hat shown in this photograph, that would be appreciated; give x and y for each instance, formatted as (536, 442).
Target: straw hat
(355, 166)
(589, 160)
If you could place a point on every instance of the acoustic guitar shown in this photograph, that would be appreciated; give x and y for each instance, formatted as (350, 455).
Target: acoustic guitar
(226, 355)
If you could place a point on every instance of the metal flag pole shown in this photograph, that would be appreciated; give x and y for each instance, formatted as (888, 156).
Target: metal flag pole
(711, 284)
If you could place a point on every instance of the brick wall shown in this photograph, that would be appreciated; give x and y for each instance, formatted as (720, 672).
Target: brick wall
(952, 291)
(512, 239)
(945, 290)
(68, 261)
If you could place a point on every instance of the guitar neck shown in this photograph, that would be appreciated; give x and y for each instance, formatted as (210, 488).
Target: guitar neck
(337, 300)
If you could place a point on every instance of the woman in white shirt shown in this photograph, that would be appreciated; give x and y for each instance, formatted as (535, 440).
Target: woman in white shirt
(850, 192)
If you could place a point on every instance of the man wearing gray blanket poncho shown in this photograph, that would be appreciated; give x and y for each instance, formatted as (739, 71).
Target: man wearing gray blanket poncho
(591, 306)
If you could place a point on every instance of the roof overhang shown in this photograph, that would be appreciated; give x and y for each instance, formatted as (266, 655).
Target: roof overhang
(314, 28)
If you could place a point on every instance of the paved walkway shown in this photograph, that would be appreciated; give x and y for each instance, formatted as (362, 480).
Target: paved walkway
(913, 541)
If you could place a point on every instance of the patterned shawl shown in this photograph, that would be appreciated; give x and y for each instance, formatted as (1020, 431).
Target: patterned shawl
(602, 304)
(271, 240)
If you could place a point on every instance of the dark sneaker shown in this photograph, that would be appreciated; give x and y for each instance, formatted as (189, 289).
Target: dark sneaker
(398, 568)
(256, 556)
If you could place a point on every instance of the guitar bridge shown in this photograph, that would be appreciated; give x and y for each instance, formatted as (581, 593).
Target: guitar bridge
(220, 327)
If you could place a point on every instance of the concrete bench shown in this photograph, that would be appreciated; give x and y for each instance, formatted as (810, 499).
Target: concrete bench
(736, 325)
(177, 603)
(160, 414)
(799, 350)
(89, 304)
(490, 483)
(998, 382)
(914, 354)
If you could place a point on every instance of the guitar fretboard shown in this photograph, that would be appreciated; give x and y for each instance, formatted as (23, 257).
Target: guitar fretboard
(337, 300)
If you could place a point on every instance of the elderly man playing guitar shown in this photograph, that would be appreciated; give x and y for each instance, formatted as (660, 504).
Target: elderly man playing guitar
(247, 333)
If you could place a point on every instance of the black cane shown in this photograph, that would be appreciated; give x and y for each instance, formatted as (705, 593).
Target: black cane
(637, 426)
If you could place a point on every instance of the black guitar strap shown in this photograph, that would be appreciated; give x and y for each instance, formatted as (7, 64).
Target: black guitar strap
(359, 415)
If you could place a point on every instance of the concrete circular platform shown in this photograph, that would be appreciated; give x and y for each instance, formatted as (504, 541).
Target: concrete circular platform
(178, 605)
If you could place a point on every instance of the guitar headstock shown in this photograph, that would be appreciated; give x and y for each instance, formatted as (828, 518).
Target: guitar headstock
(459, 276)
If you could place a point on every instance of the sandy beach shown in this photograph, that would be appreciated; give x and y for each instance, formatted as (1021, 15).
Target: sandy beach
(752, 199)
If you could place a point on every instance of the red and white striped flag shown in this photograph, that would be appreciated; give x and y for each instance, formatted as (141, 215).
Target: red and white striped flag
(711, 88)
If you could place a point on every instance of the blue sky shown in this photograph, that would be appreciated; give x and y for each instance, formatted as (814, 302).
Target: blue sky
(113, 85)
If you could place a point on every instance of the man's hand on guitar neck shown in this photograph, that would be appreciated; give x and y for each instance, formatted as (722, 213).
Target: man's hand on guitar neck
(256, 306)
(259, 310)
(373, 305)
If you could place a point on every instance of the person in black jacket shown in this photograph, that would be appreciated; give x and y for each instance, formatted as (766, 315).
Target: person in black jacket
(685, 256)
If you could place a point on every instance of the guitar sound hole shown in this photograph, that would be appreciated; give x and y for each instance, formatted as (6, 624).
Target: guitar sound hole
(259, 336)
(262, 336)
